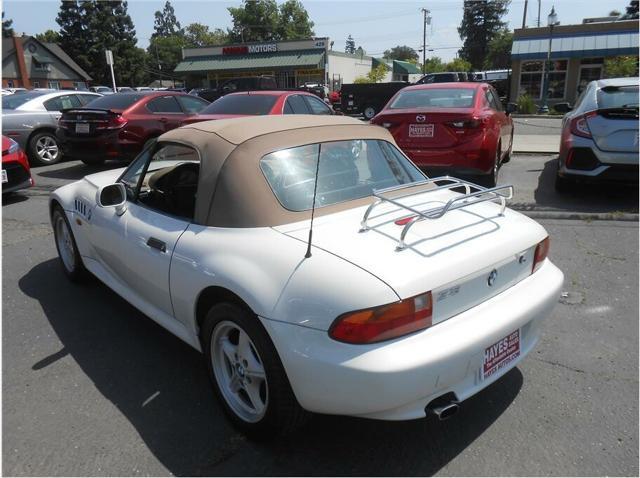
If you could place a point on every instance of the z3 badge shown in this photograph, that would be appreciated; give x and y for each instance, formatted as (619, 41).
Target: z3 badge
(443, 294)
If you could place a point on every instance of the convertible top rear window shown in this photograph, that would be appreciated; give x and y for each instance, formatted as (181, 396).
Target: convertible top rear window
(347, 170)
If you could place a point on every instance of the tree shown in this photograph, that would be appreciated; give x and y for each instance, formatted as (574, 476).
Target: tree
(75, 35)
(499, 51)
(404, 52)
(254, 21)
(434, 65)
(631, 10)
(7, 30)
(350, 46)
(197, 35)
(621, 66)
(166, 24)
(458, 64)
(166, 52)
(293, 22)
(615, 13)
(378, 73)
(481, 22)
(50, 36)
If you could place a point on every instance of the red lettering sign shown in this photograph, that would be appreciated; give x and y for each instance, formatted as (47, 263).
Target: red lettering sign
(235, 50)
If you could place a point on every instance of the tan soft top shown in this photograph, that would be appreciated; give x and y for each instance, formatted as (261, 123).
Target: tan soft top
(232, 191)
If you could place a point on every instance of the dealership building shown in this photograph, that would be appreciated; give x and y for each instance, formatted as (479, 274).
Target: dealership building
(578, 53)
(292, 63)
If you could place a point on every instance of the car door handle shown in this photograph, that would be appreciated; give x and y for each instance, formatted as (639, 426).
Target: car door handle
(157, 244)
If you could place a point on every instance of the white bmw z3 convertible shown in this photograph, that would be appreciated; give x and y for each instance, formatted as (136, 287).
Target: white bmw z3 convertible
(315, 267)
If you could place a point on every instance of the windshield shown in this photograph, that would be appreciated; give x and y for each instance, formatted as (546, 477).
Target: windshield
(241, 105)
(618, 97)
(115, 102)
(347, 170)
(11, 102)
(435, 98)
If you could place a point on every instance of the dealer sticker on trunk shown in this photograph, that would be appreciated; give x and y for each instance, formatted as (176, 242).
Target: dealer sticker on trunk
(501, 354)
(421, 131)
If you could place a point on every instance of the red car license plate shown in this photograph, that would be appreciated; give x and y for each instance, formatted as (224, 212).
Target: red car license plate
(501, 354)
(420, 131)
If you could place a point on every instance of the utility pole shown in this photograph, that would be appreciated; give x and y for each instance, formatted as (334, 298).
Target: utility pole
(524, 15)
(159, 65)
(538, 13)
(425, 12)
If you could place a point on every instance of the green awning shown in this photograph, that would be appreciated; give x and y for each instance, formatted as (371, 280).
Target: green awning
(307, 59)
(405, 68)
(42, 58)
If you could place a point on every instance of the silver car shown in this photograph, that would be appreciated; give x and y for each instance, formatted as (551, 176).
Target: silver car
(600, 135)
(31, 120)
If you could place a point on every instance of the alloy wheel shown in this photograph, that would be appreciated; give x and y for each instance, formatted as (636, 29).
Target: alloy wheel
(47, 149)
(65, 244)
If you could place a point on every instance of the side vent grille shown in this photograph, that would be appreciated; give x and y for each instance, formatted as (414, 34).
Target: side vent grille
(81, 207)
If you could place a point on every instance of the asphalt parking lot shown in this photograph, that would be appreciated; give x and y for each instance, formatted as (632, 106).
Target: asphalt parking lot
(92, 387)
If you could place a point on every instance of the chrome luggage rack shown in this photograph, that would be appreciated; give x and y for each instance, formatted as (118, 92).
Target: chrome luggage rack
(480, 194)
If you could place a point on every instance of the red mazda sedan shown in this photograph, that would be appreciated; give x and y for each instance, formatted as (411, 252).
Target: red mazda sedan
(15, 167)
(451, 127)
(118, 126)
(263, 102)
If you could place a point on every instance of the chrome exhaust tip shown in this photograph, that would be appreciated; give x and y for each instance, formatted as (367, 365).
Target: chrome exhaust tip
(445, 411)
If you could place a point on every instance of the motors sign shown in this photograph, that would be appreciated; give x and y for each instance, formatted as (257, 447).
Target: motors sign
(245, 49)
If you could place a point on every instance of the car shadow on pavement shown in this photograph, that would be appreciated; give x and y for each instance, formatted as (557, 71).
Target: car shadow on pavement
(161, 386)
(13, 198)
(594, 198)
(78, 170)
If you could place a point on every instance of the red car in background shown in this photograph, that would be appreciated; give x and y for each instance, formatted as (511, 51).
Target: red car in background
(119, 126)
(15, 167)
(451, 127)
(263, 102)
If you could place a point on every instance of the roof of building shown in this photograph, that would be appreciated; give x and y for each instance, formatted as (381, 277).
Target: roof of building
(303, 58)
(405, 67)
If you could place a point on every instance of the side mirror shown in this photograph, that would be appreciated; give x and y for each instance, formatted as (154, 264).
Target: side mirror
(113, 195)
(511, 107)
(562, 107)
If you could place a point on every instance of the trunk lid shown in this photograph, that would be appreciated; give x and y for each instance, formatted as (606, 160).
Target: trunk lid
(200, 118)
(615, 129)
(430, 127)
(452, 256)
(86, 123)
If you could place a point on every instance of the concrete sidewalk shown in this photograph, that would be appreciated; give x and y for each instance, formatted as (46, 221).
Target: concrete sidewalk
(536, 143)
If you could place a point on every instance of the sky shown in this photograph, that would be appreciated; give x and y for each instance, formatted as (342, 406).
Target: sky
(376, 25)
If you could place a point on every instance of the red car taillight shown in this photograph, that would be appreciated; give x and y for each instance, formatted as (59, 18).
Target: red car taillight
(466, 123)
(114, 122)
(579, 125)
(384, 322)
(542, 249)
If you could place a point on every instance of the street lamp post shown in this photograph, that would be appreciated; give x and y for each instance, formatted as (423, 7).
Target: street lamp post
(552, 20)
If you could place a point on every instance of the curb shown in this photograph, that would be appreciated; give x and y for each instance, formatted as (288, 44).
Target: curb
(579, 216)
(518, 115)
(535, 152)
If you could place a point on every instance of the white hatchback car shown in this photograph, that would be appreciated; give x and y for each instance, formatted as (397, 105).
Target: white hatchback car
(315, 267)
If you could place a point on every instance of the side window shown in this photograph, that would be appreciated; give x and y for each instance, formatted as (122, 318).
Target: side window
(298, 105)
(164, 104)
(192, 104)
(166, 179)
(62, 102)
(317, 106)
(288, 110)
(496, 100)
(491, 102)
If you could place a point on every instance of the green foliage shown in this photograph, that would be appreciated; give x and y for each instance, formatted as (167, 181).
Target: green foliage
(401, 52)
(481, 22)
(50, 36)
(350, 46)
(293, 22)
(265, 21)
(377, 74)
(631, 11)
(499, 51)
(166, 52)
(434, 65)
(197, 35)
(620, 66)
(166, 24)
(362, 79)
(458, 64)
(89, 27)
(526, 105)
(615, 13)
(7, 30)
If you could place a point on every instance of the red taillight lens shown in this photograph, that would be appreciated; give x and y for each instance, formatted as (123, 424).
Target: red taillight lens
(384, 322)
(115, 122)
(466, 123)
(542, 249)
(579, 125)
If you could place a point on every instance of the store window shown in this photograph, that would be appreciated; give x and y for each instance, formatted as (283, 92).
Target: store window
(532, 74)
(54, 85)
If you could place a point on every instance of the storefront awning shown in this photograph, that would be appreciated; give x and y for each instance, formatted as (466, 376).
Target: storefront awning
(576, 46)
(405, 68)
(285, 59)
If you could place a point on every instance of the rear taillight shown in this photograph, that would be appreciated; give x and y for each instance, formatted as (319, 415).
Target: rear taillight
(579, 125)
(384, 322)
(542, 249)
(114, 122)
(463, 124)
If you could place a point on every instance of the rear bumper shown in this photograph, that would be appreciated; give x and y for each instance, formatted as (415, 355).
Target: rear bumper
(107, 146)
(19, 177)
(396, 380)
(473, 157)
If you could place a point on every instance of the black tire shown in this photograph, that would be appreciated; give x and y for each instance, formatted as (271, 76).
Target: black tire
(282, 412)
(507, 156)
(43, 149)
(491, 180)
(369, 111)
(563, 185)
(93, 161)
(74, 268)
